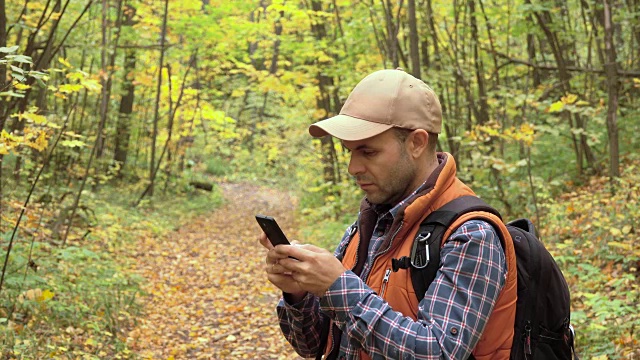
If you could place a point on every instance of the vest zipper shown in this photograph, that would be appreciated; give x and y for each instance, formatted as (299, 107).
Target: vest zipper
(385, 281)
(373, 264)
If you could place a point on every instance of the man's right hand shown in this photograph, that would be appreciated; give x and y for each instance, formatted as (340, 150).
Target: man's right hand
(278, 276)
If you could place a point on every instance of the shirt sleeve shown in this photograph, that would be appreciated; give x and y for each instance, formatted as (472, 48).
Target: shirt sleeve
(300, 324)
(451, 316)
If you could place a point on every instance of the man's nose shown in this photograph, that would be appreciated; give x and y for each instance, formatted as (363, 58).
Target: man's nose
(355, 166)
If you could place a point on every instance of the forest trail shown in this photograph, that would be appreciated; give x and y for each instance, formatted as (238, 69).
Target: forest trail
(207, 295)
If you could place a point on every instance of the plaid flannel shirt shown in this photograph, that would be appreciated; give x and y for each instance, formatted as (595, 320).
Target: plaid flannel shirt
(451, 316)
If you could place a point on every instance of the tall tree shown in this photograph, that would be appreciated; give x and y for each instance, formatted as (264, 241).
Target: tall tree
(156, 115)
(611, 68)
(414, 37)
(324, 100)
(108, 61)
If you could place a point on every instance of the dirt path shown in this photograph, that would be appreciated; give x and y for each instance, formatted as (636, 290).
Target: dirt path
(208, 297)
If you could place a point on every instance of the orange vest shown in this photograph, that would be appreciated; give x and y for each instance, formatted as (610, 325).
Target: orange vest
(496, 340)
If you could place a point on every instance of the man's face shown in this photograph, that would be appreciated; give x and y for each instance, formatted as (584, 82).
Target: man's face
(382, 168)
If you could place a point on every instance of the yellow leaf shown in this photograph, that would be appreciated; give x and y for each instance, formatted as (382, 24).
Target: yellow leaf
(46, 295)
(569, 99)
(615, 231)
(556, 107)
(619, 245)
(38, 119)
(626, 229)
(40, 143)
(70, 88)
(22, 86)
(231, 338)
(65, 62)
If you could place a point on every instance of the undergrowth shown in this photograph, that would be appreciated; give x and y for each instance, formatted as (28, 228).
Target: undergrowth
(77, 299)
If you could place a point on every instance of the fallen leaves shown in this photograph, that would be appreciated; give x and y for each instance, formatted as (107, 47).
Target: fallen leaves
(207, 295)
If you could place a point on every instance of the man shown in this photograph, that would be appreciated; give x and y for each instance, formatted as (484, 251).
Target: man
(390, 124)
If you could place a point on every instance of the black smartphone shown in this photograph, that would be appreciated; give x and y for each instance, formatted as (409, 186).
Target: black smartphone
(273, 231)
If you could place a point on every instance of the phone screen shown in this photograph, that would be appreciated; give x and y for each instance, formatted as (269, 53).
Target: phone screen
(273, 231)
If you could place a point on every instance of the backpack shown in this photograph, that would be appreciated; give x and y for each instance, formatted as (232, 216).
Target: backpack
(542, 325)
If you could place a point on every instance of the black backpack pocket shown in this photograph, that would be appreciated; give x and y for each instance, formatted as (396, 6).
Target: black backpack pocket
(551, 346)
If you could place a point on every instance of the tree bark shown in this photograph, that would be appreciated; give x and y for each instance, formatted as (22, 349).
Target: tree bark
(123, 127)
(3, 43)
(414, 49)
(107, 71)
(581, 147)
(483, 107)
(323, 102)
(611, 68)
(156, 115)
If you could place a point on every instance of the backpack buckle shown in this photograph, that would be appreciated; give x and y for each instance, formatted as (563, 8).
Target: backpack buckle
(419, 257)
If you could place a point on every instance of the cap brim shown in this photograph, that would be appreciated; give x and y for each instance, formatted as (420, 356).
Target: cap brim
(348, 128)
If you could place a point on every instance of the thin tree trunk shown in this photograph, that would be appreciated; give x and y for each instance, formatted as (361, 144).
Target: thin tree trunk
(581, 148)
(157, 104)
(483, 110)
(612, 80)
(414, 49)
(123, 127)
(172, 113)
(110, 66)
(531, 51)
(3, 77)
(3, 68)
(123, 130)
(323, 102)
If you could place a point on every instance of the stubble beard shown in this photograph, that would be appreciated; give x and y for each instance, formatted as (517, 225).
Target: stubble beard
(394, 190)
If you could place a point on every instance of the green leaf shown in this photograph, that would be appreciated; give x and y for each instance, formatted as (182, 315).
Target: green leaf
(19, 58)
(11, 93)
(72, 143)
(8, 50)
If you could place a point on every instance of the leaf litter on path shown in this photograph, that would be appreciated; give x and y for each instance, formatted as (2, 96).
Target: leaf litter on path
(207, 294)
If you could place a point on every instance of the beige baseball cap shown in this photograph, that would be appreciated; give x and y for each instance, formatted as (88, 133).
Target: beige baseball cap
(381, 101)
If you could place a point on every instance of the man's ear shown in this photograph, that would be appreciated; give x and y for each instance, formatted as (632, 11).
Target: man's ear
(418, 142)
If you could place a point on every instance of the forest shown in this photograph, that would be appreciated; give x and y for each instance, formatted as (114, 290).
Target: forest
(139, 138)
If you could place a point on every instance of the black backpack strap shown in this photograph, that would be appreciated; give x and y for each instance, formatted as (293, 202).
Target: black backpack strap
(425, 252)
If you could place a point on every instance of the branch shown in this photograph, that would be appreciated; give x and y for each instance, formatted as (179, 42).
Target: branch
(510, 60)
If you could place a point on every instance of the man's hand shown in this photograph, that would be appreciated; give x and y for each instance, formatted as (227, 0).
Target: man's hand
(312, 269)
(278, 276)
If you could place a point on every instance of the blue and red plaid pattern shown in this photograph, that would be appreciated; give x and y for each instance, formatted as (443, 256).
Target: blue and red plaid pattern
(451, 317)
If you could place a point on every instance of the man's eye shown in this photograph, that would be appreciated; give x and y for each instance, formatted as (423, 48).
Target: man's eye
(369, 152)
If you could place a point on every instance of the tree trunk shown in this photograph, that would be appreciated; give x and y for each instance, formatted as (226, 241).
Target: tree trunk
(483, 107)
(123, 127)
(612, 81)
(323, 102)
(156, 115)
(107, 74)
(123, 130)
(414, 49)
(581, 147)
(531, 51)
(3, 77)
